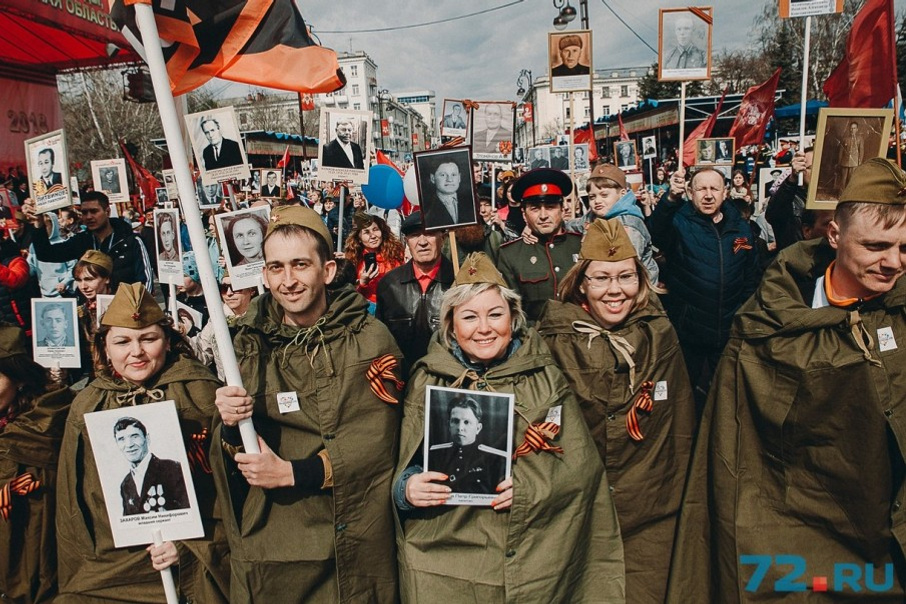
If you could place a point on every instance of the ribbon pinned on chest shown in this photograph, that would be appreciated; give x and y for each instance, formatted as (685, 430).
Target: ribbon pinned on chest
(198, 457)
(537, 438)
(642, 403)
(382, 369)
(21, 485)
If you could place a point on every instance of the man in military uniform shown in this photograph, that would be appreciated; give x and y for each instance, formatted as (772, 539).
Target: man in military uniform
(471, 467)
(535, 269)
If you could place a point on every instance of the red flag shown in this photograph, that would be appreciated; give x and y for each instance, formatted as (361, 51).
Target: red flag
(702, 131)
(284, 161)
(867, 75)
(143, 178)
(624, 136)
(528, 113)
(583, 135)
(385, 128)
(306, 102)
(755, 111)
(259, 42)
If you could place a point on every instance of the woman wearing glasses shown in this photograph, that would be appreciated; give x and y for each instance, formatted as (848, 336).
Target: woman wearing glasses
(620, 355)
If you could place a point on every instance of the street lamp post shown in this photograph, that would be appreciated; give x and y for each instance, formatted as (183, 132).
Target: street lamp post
(525, 79)
(381, 94)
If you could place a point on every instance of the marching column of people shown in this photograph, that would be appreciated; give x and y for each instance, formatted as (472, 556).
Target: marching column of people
(617, 329)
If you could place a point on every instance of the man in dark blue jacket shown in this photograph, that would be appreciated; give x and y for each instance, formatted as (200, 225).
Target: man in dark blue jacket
(711, 268)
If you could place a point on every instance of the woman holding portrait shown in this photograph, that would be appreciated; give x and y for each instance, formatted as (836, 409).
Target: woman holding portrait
(140, 359)
(550, 534)
(622, 358)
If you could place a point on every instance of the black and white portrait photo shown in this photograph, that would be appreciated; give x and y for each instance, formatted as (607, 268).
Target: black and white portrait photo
(217, 144)
(241, 242)
(649, 147)
(445, 188)
(492, 131)
(270, 183)
(539, 157)
(54, 327)
(48, 171)
(569, 60)
(685, 43)
(580, 158)
(141, 460)
(469, 437)
(626, 155)
(170, 184)
(343, 153)
(455, 120)
(210, 195)
(169, 246)
(109, 176)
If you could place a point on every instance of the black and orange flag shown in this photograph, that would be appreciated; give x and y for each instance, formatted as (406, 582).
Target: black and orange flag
(259, 42)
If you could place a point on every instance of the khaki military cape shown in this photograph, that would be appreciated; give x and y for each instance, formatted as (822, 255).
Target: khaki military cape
(559, 542)
(91, 569)
(801, 446)
(28, 544)
(647, 476)
(337, 545)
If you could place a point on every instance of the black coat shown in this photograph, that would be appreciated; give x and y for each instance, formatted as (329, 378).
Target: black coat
(163, 489)
(436, 215)
(335, 157)
(230, 155)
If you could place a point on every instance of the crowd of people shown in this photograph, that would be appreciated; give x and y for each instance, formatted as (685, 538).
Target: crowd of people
(690, 378)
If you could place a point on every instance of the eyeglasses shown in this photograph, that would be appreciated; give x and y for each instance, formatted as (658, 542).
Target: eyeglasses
(226, 287)
(602, 281)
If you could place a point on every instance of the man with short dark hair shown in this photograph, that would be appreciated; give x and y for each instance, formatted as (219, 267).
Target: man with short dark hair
(321, 382)
(56, 327)
(409, 296)
(270, 187)
(711, 268)
(46, 174)
(152, 484)
(801, 454)
(113, 236)
(446, 203)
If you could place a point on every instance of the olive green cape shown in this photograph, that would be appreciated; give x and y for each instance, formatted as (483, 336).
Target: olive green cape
(91, 568)
(801, 446)
(646, 476)
(335, 545)
(559, 542)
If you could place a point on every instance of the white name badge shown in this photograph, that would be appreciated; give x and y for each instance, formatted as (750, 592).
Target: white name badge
(886, 340)
(554, 414)
(660, 391)
(287, 402)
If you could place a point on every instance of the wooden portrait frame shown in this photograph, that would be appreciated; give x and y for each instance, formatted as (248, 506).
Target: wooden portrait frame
(626, 167)
(556, 67)
(829, 174)
(701, 17)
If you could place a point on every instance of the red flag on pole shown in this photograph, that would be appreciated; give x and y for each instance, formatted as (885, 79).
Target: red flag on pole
(306, 102)
(143, 178)
(867, 75)
(264, 43)
(755, 111)
(702, 131)
(624, 136)
(284, 161)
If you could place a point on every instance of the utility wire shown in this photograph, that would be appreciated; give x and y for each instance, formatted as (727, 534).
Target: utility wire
(425, 24)
(641, 39)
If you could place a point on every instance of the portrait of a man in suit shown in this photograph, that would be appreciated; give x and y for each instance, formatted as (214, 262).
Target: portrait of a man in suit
(56, 326)
(221, 152)
(110, 180)
(342, 151)
(270, 188)
(570, 48)
(447, 197)
(152, 484)
(494, 132)
(455, 119)
(46, 173)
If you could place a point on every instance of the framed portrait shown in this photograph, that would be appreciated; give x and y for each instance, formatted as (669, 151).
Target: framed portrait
(168, 246)
(103, 301)
(217, 144)
(626, 156)
(807, 8)
(55, 338)
(715, 151)
(109, 176)
(469, 437)
(445, 188)
(456, 118)
(492, 131)
(269, 183)
(540, 157)
(48, 171)
(768, 181)
(844, 140)
(569, 56)
(210, 196)
(345, 145)
(241, 241)
(684, 43)
(649, 147)
(580, 157)
(170, 184)
(160, 193)
(149, 437)
(189, 319)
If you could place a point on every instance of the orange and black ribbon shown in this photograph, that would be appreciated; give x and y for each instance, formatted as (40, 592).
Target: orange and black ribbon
(469, 104)
(197, 455)
(537, 437)
(741, 243)
(382, 369)
(21, 485)
(643, 403)
(505, 147)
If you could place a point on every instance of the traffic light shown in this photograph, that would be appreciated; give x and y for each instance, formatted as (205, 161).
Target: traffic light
(138, 86)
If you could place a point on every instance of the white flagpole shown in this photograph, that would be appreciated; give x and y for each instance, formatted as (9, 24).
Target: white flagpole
(144, 18)
(166, 575)
(682, 125)
(804, 97)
